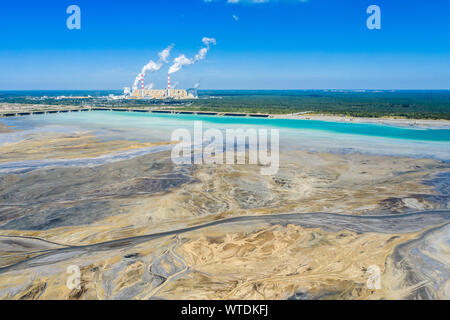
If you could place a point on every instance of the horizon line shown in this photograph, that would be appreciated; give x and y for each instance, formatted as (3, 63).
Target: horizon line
(310, 89)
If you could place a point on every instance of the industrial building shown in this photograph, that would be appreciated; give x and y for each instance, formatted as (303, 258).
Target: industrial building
(169, 93)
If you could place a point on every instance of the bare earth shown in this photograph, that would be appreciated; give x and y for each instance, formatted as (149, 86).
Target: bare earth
(146, 228)
(419, 123)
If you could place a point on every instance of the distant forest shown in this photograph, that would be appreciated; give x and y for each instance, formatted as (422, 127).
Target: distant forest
(405, 104)
(400, 104)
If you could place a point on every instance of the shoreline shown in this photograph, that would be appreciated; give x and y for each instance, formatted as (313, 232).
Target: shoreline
(398, 122)
(13, 110)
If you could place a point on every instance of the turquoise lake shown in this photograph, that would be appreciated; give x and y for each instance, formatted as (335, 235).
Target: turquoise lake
(313, 135)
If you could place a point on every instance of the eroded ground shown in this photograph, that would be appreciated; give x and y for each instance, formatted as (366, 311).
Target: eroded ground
(143, 227)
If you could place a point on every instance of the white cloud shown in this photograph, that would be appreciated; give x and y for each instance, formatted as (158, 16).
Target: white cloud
(235, 17)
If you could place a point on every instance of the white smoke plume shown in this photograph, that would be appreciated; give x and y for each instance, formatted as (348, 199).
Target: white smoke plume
(179, 62)
(196, 85)
(207, 41)
(153, 66)
(182, 60)
(164, 55)
(150, 86)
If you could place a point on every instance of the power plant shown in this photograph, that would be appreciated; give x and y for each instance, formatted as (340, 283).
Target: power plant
(177, 65)
(159, 94)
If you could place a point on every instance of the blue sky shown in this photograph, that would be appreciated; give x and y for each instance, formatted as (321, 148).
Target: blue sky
(284, 44)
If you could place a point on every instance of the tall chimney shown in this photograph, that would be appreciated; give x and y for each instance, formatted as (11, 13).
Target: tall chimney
(142, 81)
(168, 81)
